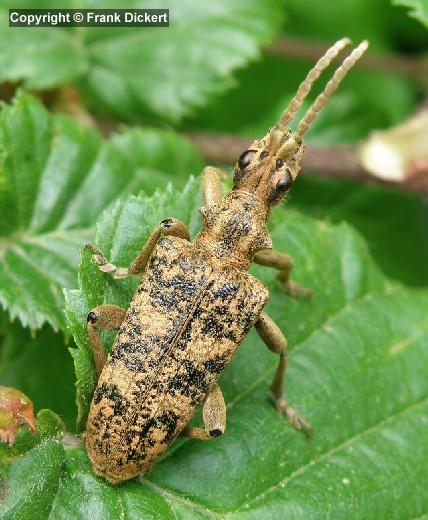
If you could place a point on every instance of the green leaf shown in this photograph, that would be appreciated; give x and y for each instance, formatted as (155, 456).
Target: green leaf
(41, 58)
(56, 178)
(417, 9)
(33, 483)
(48, 426)
(102, 500)
(358, 372)
(356, 19)
(392, 222)
(163, 73)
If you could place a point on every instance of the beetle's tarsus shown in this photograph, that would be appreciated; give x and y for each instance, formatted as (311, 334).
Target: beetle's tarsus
(296, 290)
(120, 273)
(104, 265)
(293, 417)
(100, 259)
(91, 248)
(107, 267)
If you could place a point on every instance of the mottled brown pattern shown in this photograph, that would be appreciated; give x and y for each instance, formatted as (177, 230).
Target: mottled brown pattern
(196, 303)
(182, 328)
(235, 228)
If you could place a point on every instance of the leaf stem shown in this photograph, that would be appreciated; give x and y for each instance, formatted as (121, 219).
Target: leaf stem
(415, 67)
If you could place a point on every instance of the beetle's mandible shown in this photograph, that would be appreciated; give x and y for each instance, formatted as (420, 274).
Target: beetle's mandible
(196, 303)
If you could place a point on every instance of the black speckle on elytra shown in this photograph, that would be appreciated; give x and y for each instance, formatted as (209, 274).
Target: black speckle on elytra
(186, 335)
(125, 348)
(106, 435)
(216, 364)
(99, 420)
(165, 243)
(133, 456)
(186, 265)
(134, 364)
(165, 299)
(226, 292)
(212, 327)
(169, 293)
(99, 394)
(215, 326)
(112, 394)
(184, 285)
(154, 363)
(241, 306)
(221, 310)
(135, 331)
(103, 447)
(166, 422)
(189, 383)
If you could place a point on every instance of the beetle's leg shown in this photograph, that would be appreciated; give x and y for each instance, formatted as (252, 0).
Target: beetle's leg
(102, 317)
(276, 342)
(211, 184)
(169, 226)
(214, 414)
(284, 264)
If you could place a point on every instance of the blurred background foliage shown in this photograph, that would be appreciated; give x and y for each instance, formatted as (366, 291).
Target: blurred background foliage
(216, 70)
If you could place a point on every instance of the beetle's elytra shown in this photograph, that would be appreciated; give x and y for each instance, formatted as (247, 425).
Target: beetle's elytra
(196, 303)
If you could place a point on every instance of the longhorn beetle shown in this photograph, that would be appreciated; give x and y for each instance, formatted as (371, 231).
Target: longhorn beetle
(196, 303)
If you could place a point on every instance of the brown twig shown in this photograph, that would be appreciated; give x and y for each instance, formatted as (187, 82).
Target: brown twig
(338, 161)
(299, 48)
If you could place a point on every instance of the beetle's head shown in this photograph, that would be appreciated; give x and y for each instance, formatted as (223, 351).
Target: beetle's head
(270, 165)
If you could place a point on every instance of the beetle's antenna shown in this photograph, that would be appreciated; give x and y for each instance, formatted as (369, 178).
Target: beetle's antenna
(313, 75)
(331, 87)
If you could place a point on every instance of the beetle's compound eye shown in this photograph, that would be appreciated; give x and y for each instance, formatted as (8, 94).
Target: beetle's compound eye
(282, 186)
(245, 159)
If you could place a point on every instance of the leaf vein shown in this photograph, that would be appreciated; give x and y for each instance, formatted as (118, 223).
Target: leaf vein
(283, 482)
(171, 496)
